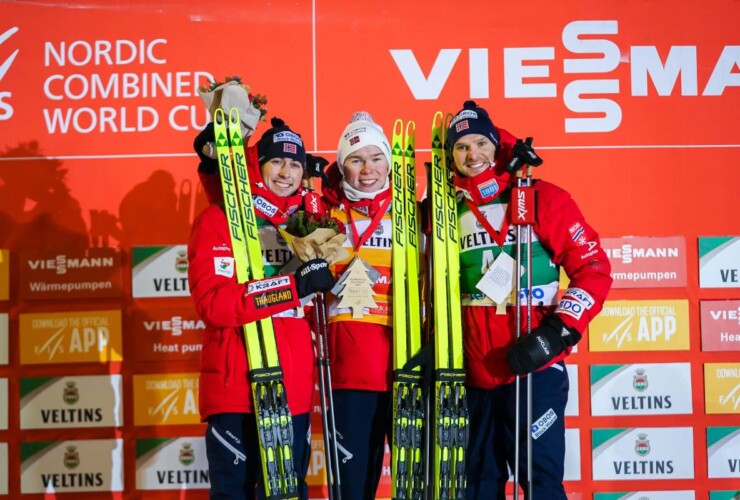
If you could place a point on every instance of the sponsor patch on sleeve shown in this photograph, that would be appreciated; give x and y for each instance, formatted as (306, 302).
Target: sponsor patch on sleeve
(580, 295)
(270, 292)
(224, 266)
(570, 307)
(268, 284)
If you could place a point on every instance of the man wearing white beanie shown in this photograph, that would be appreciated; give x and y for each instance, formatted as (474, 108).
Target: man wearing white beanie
(360, 336)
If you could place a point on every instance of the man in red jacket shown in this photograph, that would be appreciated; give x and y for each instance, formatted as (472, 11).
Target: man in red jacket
(275, 167)
(360, 337)
(493, 357)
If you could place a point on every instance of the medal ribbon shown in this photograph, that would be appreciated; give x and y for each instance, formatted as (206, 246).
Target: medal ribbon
(498, 236)
(357, 240)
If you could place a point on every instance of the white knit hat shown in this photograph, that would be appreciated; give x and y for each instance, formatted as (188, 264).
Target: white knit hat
(360, 132)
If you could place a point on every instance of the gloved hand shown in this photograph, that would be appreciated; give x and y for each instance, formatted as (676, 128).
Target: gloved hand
(523, 154)
(205, 147)
(315, 167)
(424, 359)
(313, 276)
(541, 346)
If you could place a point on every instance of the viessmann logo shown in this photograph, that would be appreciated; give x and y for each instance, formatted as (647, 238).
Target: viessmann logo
(6, 109)
(597, 56)
(627, 253)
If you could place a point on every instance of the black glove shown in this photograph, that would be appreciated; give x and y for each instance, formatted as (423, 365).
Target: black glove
(543, 344)
(424, 359)
(207, 136)
(313, 276)
(523, 154)
(315, 167)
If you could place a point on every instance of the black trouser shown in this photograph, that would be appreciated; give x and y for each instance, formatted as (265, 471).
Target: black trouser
(491, 444)
(234, 462)
(363, 421)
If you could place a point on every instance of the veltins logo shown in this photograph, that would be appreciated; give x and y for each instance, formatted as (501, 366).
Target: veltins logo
(645, 453)
(647, 262)
(70, 393)
(160, 271)
(720, 325)
(6, 109)
(722, 456)
(171, 464)
(166, 399)
(722, 388)
(4, 274)
(719, 262)
(71, 402)
(635, 325)
(641, 389)
(71, 457)
(642, 445)
(74, 337)
(72, 466)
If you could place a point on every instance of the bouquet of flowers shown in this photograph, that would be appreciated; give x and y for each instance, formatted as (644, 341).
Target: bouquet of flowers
(314, 236)
(233, 93)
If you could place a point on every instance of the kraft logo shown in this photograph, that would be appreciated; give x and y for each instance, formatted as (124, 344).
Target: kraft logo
(6, 110)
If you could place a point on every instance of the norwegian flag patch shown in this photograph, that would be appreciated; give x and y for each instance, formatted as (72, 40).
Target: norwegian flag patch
(354, 140)
(289, 148)
(461, 126)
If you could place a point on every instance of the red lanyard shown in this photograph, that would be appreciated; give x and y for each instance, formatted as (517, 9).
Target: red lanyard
(498, 236)
(374, 223)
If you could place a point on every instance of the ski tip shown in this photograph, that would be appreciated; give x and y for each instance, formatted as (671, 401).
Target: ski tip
(397, 127)
(219, 116)
(410, 128)
(437, 120)
(234, 116)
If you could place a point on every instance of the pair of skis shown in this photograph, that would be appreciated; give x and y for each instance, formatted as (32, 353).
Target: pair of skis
(274, 422)
(407, 464)
(439, 459)
(450, 409)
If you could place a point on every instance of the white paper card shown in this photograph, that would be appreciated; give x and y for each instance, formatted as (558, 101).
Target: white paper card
(498, 281)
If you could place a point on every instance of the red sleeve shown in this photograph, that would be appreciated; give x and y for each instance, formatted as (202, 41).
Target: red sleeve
(575, 245)
(218, 298)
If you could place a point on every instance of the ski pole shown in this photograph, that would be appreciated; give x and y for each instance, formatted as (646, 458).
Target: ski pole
(322, 395)
(529, 330)
(517, 386)
(331, 454)
(523, 196)
(323, 336)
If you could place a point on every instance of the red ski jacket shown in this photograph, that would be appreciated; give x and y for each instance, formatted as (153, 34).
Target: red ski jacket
(561, 239)
(225, 305)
